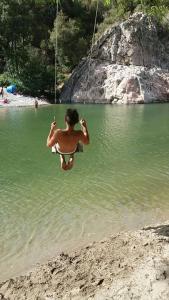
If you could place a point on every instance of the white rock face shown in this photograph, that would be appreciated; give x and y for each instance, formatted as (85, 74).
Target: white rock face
(129, 64)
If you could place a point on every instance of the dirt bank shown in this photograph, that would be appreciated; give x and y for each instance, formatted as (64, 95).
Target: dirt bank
(128, 265)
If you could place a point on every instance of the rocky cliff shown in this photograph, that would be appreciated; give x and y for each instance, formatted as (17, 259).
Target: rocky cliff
(128, 64)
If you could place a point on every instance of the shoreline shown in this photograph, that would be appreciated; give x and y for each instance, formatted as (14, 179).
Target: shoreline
(21, 101)
(127, 265)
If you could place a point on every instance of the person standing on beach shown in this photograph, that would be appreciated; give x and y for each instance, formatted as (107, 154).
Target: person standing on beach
(36, 103)
(66, 140)
(2, 91)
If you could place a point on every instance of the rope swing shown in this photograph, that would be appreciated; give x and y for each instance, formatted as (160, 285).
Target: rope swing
(56, 43)
(94, 28)
(93, 38)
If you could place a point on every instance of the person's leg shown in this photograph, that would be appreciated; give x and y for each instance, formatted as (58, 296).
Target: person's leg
(63, 164)
(71, 161)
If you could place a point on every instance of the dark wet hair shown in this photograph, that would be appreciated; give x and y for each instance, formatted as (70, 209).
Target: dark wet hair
(72, 116)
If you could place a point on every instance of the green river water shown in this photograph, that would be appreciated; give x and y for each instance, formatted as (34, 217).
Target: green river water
(120, 182)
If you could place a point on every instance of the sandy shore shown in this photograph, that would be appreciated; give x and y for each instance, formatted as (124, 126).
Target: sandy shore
(128, 265)
(20, 101)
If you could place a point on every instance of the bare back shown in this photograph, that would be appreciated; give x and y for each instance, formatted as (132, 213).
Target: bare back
(68, 139)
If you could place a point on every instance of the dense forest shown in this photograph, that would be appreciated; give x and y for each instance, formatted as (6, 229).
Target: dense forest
(35, 34)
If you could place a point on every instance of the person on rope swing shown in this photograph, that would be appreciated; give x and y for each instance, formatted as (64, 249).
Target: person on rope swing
(67, 141)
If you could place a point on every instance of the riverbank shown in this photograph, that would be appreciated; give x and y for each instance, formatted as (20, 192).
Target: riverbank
(18, 100)
(128, 265)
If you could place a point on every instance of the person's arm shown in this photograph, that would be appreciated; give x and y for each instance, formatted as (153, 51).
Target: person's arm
(51, 139)
(84, 133)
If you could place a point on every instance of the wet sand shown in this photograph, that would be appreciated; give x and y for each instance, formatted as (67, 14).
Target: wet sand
(128, 265)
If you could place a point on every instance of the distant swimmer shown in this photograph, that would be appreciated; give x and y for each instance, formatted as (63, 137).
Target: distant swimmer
(66, 141)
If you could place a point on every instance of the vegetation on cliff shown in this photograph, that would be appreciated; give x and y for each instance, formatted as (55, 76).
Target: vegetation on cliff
(28, 37)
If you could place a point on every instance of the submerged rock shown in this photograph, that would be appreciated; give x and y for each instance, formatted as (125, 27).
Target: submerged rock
(129, 64)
